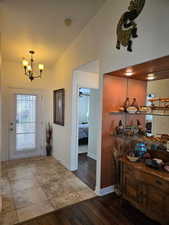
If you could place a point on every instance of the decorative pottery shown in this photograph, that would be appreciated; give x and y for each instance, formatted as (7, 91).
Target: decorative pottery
(132, 158)
(166, 168)
(132, 109)
(140, 149)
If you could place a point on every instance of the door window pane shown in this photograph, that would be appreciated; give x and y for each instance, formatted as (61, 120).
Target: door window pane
(25, 142)
(25, 122)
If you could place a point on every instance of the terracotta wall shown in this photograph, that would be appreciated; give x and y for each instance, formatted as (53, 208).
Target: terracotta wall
(115, 91)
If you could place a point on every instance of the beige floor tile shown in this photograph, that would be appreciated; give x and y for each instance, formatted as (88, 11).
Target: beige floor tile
(21, 173)
(66, 200)
(44, 179)
(56, 189)
(28, 197)
(23, 184)
(15, 163)
(7, 203)
(4, 173)
(43, 171)
(37, 186)
(34, 210)
(5, 187)
(9, 218)
(86, 194)
(77, 184)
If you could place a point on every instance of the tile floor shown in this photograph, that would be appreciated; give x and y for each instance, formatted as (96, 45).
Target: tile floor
(35, 186)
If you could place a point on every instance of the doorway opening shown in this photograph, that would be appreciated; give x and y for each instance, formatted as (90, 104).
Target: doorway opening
(87, 146)
(85, 131)
(25, 124)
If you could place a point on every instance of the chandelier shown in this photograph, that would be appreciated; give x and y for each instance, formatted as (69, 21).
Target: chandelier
(29, 67)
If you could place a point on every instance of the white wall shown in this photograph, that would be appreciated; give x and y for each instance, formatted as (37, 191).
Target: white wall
(13, 77)
(62, 143)
(0, 114)
(87, 79)
(93, 123)
(0, 121)
(97, 42)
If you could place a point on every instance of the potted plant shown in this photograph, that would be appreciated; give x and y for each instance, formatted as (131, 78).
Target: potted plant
(49, 135)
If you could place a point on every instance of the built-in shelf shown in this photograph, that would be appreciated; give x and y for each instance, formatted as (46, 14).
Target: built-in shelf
(139, 113)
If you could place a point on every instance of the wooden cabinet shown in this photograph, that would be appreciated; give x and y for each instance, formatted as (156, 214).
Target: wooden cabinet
(147, 190)
(167, 209)
(134, 191)
(156, 203)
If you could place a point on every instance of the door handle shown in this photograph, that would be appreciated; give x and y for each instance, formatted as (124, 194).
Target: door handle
(11, 129)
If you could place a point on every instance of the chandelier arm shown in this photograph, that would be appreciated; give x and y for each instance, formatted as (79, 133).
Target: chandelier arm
(27, 74)
(36, 76)
(29, 68)
(32, 60)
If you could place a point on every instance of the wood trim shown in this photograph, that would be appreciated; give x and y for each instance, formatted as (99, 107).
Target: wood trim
(160, 67)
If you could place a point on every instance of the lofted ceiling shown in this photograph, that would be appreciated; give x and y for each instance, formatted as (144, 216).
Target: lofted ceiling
(39, 25)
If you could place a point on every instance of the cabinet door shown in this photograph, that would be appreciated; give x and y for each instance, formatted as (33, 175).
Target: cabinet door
(167, 208)
(135, 191)
(156, 203)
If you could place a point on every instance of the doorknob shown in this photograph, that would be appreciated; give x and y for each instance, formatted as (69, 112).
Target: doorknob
(11, 129)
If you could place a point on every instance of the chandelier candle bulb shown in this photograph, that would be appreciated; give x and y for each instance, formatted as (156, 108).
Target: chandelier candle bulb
(29, 68)
(25, 63)
(41, 67)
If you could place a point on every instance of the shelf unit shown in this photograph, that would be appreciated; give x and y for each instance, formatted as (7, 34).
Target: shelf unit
(139, 113)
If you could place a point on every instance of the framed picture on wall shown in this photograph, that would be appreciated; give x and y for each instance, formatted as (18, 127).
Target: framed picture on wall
(59, 106)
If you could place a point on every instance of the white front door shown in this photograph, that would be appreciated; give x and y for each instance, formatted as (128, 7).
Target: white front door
(24, 124)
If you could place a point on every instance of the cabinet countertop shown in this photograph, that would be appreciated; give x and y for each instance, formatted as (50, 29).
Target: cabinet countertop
(142, 167)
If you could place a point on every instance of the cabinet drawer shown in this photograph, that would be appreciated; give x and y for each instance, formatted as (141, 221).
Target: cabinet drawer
(156, 203)
(135, 191)
(131, 188)
(147, 178)
(157, 182)
(167, 206)
(130, 171)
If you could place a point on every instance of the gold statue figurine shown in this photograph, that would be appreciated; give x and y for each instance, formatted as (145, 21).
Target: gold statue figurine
(127, 28)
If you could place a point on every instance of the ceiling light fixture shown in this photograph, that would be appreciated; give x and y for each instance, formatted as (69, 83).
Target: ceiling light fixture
(129, 73)
(150, 76)
(68, 21)
(29, 67)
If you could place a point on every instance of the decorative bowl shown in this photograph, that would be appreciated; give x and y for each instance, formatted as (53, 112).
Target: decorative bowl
(132, 158)
(166, 168)
(153, 164)
(132, 109)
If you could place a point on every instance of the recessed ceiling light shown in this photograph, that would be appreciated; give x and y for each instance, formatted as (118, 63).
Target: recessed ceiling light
(129, 74)
(150, 76)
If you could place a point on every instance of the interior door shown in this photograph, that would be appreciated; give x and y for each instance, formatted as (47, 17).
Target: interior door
(24, 124)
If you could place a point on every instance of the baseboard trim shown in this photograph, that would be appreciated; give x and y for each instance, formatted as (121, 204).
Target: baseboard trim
(91, 155)
(105, 191)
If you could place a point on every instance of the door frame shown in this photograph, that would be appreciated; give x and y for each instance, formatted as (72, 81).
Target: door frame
(12, 92)
(74, 131)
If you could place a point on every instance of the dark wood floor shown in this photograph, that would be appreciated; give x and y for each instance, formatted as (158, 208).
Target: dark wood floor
(86, 170)
(97, 211)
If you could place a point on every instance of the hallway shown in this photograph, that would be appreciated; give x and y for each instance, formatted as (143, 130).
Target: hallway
(86, 171)
(36, 186)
